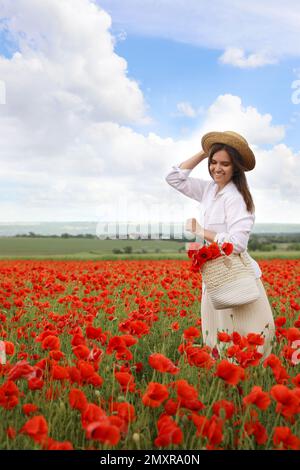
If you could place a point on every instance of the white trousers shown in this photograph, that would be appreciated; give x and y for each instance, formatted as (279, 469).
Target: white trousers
(256, 317)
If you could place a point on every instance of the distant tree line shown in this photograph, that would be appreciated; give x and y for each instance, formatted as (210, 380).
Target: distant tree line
(268, 242)
(257, 241)
(268, 237)
(63, 235)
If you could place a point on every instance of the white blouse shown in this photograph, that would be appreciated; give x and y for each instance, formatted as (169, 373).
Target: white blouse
(224, 212)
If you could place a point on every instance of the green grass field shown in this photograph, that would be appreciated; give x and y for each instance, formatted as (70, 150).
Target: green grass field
(82, 248)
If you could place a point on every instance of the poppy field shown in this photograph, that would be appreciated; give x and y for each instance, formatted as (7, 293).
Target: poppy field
(109, 355)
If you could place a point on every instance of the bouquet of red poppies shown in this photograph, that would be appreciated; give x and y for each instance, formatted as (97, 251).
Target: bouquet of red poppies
(207, 253)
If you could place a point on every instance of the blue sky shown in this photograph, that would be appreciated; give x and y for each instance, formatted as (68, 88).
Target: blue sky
(102, 97)
(169, 72)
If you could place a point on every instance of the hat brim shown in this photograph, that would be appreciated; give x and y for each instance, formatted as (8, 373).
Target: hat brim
(248, 158)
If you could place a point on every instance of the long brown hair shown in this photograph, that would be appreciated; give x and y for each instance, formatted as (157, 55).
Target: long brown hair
(238, 176)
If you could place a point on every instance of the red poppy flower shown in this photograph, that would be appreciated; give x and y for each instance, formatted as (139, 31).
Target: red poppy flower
(227, 248)
(129, 340)
(248, 357)
(211, 428)
(155, 394)
(224, 337)
(230, 373)
(162, 363)
(86, 370)
(296, 380)
(51, 444)
(9, 348)
(125, 410)
(191, 333)
(135, 327)
(77, 399)
(256, 429)
(116, 343)
(81, 351)
(29, 408)
(168, 432)
(103, 431)
(284, 437)
(78, 339)
(96, 380)
(280, 321)
(256, 339)
(188, 396)
(201, 423)
(199, 357)
(74, 375)
(35, 383)
(126, 381)
(233, 350)
(20, 369)
(9, 393)
(92, 332)
(278, 370)
(59, 372)
(225, 405)
(56, 355)
(237, 339)
(36, 428)
(91, 413)
(51, 342)
(215, 430)
(288, 401)
(120, 423)
(172, 406)
(292, 334)
(214, 250)
(124, 355)
(257, 397)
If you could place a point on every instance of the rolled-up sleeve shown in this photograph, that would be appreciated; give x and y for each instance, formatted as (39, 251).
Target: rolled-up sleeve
(239, 225)
(179, 179)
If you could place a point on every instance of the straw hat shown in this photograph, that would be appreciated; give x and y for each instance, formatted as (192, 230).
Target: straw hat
(233, 139)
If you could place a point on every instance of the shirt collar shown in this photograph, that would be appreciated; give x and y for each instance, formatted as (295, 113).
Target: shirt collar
(229, 187)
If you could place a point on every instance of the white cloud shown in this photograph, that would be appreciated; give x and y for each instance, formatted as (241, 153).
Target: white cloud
(67, 149)
(256, 26)
(66, 69)
(186, 109)
(236, 57)
(227, 112)
(2, 92)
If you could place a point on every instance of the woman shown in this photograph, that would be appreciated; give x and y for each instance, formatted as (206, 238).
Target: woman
(228, 215)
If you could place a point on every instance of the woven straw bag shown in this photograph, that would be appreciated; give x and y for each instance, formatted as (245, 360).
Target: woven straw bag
(230, 280)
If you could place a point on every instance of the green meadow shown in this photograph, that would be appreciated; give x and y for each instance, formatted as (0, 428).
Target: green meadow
(85, 248)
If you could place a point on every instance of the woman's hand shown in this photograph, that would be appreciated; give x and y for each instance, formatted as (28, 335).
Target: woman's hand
(193, 226)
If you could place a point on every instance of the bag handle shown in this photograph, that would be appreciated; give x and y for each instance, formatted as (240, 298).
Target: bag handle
(227, 261)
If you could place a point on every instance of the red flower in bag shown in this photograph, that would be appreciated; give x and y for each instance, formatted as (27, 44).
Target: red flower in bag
(214, 251)
(227, 248)
(206, 253)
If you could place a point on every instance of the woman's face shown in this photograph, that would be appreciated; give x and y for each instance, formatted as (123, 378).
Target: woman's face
(221, 167)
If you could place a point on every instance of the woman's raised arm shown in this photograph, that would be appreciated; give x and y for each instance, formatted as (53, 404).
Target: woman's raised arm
(179, 177)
